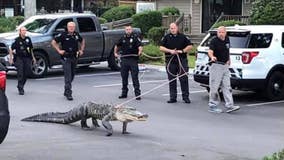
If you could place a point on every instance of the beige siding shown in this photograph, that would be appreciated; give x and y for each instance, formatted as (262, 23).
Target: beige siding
(246, 8)
(182, 5)
(196, 19)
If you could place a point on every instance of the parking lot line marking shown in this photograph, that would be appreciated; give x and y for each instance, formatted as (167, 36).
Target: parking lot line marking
(265, 103)
(192, 92)
(84, 75)
(119, 84)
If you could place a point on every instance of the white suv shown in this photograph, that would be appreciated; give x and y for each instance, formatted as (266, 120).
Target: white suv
(257, 59)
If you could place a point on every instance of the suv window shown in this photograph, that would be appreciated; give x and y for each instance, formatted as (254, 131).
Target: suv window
(237, 39)
(260, 40)
(86, 25)
(283, 39)
(63, 24)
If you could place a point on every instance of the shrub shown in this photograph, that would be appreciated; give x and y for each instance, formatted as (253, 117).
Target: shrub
(17, 19)
(118, 13)
(153, 51)
(155, 34)
(227, 23)
(6, 25)
(267, 12)
(102, 20)
(170, 10)
(275, 156)
(147, 20)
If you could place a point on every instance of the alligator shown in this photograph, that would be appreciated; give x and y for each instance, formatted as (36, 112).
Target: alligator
(84, 111)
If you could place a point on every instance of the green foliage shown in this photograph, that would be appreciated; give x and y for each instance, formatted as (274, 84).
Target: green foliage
(275, 156)
(153, 51)
(170, 10)
(147, 20)
(17, 19)
(227, 23)
(102, 20)
(267, 12)
(155, 34)
(118, 13)
(6, 24)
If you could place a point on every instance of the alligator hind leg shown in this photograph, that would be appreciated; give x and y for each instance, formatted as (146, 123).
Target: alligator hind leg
(95, 122)
(84, 123)
(107, 125)
(124, 127)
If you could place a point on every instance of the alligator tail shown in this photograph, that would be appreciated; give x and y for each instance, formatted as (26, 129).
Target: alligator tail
(51, 117)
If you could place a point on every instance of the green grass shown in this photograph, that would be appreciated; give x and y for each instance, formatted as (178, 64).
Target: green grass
(154, 51)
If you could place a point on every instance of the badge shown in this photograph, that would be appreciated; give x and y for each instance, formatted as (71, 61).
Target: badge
(228, 45)
(76, 37)
(131, 40)
(27, 40)
(21, 43)
(67, 39)
(123, 41)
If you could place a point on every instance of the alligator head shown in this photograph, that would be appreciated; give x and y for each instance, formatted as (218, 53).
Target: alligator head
(128, 114)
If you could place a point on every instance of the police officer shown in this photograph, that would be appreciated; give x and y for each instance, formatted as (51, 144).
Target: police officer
(69, 52)
(219, 54)
(21, 53)
(130, 47)
(175, 45)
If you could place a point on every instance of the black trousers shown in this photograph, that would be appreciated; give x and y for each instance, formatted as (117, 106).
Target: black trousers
(24, 69)
(130, 64)
(69, 65)
(175, 69)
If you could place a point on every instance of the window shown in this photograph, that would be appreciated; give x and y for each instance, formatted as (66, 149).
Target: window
(283, 39)
(63, 24)
(260, 40)
(86, 25)
(237, 39)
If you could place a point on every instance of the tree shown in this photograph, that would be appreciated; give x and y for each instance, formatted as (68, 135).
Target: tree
(267, 12)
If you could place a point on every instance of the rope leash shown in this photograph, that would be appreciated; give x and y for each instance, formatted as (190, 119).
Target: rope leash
(178, 75)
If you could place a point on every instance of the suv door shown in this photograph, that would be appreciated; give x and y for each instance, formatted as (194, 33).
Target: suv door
(94, 39)
(282, 49)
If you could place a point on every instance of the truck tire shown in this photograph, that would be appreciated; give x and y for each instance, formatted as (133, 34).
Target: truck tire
(40, 68)
(113, 63)
(275, 86)
(4, 116)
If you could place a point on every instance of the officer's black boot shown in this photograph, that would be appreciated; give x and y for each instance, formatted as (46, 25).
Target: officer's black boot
(68, 95)
(123, 94)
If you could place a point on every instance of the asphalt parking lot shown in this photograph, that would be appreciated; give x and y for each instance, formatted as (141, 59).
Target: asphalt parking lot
(173, 131)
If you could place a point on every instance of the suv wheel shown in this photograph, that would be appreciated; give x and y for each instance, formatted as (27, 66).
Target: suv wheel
(275, 86)
(40, 68)
(4, 116)
(113, 62)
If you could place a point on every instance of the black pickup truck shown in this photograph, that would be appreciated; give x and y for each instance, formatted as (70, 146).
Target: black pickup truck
(42, 29)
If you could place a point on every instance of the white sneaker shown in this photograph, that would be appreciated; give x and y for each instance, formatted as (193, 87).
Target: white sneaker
(232, 109)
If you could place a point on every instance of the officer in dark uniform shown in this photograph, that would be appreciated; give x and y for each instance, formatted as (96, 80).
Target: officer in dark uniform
(130, 48)
(21, 54)
(175, 46)
(69, 52)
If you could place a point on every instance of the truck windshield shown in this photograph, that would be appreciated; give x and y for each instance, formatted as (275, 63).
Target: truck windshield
(38, 25)
(237, 39)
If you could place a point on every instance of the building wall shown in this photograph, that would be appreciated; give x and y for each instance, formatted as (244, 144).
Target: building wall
(196, 18)
(246, 8)
(183, 5)
(30, 8)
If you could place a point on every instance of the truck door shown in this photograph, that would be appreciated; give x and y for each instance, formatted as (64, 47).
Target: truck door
(94, 39)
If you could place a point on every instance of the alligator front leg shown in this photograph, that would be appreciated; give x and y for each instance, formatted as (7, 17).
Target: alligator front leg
(95, 122)
(107, 125)
(84, 123)
(124, 127)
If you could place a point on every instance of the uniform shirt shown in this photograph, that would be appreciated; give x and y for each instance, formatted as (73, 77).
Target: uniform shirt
(69, 42)
(220, 48)
(178, 42)
(129, 44)
(23, 47)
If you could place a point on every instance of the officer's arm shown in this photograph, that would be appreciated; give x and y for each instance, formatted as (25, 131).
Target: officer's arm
(166, 50)
(115, 51)
(186, 49)
(56, 46)
(82, 47)
(140, 49)
(11, 56)
(211, 55)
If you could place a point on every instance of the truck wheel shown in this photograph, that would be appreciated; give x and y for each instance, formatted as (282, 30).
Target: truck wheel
(4, 116)
(113, 63)
(40, 68)
(275, 86)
